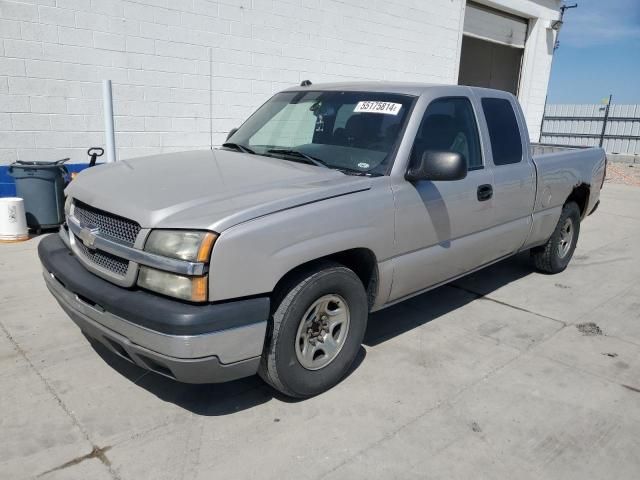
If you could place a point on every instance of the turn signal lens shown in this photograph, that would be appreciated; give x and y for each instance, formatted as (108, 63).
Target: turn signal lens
(204, 252)
(199, 289)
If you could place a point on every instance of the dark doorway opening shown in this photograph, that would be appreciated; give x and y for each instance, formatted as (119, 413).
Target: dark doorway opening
(489, 64)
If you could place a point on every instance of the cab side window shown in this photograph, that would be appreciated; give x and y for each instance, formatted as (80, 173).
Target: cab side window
(449, 124)
(504, 133)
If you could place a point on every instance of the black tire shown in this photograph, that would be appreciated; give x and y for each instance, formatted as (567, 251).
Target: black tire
(280, 366)
(548, 258)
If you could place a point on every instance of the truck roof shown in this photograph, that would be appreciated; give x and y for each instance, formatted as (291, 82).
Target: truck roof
(404, 88)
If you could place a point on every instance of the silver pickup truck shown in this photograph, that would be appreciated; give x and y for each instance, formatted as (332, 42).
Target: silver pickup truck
(330, 202)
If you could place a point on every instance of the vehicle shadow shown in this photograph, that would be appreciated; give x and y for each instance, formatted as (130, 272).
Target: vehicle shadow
(414, 312)
(213, 399)
(231, 397)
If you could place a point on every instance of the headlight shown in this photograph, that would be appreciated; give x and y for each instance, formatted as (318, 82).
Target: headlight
(67, 205)
(181, 244)
(193, 289)
(192, 246)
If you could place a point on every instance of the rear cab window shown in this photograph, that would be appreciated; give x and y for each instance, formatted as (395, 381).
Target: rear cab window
(504, 133)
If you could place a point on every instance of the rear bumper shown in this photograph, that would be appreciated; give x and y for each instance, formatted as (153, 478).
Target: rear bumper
(218, 343)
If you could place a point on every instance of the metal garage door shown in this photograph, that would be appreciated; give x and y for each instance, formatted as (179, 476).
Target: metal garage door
(493, 25)
(492, 48)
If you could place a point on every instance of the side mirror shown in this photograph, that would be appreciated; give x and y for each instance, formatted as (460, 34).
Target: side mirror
(231, 132)
(440, 165)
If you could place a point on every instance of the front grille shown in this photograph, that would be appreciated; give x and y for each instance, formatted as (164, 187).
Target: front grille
(109, 262)
(108, 224)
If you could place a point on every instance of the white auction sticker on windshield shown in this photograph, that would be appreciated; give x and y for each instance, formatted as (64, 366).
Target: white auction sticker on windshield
(374, 106)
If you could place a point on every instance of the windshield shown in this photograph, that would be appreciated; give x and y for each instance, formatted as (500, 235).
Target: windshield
(350, 131)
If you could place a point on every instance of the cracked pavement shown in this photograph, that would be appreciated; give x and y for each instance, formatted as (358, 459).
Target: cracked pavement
(504, 371)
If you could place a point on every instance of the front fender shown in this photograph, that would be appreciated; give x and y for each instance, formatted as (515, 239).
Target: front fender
(250, 258)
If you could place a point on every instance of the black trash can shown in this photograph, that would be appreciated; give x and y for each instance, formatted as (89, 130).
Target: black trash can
(41, 185)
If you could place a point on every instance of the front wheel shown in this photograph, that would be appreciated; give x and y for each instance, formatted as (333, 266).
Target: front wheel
(316, 331)
(554, 256)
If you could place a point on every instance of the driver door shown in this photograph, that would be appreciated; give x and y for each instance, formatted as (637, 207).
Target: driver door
(443, 228)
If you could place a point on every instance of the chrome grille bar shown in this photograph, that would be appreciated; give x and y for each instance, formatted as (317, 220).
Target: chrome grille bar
(124, 251)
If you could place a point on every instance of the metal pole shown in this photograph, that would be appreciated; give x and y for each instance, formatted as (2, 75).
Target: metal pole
(604, 121)
(110, 138)
(211, 98)
(559, 23)
(556, 26)
(544, 112)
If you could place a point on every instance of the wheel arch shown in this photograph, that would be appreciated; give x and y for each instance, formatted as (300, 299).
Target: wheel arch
(580, 195)
(362, 261)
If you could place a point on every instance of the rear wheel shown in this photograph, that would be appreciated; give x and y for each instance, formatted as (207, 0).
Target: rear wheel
(316, 332)
(555, 255)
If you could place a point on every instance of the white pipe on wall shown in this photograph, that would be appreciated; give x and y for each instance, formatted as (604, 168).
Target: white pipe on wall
(110, 138)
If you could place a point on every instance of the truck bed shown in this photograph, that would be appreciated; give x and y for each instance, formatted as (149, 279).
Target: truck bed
(559, 172)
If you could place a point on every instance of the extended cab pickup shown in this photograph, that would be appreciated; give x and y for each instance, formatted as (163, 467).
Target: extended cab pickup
(330, 202)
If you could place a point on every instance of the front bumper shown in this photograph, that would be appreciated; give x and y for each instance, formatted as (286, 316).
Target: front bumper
(189, 343)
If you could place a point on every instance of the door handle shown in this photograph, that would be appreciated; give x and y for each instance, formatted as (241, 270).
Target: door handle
(485, 192)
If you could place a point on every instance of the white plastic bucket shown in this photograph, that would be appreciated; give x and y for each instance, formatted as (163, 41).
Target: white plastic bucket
(13, 220)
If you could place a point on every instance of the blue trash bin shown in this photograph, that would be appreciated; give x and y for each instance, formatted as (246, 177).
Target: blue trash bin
(41, 185)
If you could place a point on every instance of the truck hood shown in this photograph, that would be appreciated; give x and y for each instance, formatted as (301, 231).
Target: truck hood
(210, 189)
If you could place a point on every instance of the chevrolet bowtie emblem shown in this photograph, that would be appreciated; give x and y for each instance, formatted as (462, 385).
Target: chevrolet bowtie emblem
(88, 236)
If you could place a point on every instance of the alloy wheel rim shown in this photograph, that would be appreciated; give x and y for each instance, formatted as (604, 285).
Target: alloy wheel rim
(566, 238)
(322, 332)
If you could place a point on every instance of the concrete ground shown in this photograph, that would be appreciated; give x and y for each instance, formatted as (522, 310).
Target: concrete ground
(626, 173)
(505, 374)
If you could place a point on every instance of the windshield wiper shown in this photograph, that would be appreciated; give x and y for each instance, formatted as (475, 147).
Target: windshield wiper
(239, 147)
(358, 173)
(297, 153)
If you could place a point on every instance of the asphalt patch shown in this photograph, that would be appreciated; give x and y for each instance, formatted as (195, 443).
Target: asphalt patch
(589, 329)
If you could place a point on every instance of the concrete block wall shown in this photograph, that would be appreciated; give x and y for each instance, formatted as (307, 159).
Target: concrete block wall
(54, 54)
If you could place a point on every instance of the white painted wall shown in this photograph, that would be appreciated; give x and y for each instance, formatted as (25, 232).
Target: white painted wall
(54, 54)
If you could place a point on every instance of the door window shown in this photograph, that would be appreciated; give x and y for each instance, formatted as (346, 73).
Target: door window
(449, 124)
(504, 133)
